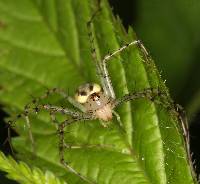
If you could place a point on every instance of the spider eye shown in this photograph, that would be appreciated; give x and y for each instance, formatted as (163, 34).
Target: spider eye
(86, 90)
(82, 93)
(91, 86)
(81, 96)
(95, 88)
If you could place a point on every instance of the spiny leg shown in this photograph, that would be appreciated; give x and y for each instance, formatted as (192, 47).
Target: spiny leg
(52, 109)
(178, 111)
(62, 145)
(143, 49)
(60, 92)
(181, 114)
(103, 63)
(118, 118)
(28, 124)
(9, 138)
(28, 109)
(103, 74)
(30, 133)
(118, 51)
(53, 118)
(62, 110)
(175, 109)
(24, 115)
(135, 42)
(184, 122)
(47, 94)
(148, 93)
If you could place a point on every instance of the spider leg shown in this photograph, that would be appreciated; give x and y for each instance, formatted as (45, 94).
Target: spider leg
(151, 94)
(30, 133)
(148, 93)
(62, 110)
(103, 123)
(103, 74)
(60, 92)
(53, 110)
(135, 42)
(9, 138)
(175, 109)
(114, 53)
(102, 65)
(181, 114)
(62, 144)
(28, 124)
(118, 118)
(71, 146)
(53, 117)
(30, 110)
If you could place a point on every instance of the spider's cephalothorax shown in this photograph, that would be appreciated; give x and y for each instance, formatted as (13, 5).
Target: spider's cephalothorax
(95, 101)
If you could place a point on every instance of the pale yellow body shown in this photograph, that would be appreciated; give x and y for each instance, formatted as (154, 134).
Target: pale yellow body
(95, 101)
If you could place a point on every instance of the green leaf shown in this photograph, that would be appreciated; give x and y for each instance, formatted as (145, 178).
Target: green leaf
(23, 174)
(173, 38)
(44, 44)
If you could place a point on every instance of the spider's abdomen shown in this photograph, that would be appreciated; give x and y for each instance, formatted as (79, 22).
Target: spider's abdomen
(99, 105)
(104, 113)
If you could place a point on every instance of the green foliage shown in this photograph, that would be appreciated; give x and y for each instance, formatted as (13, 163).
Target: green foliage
(23, 174)
(173, 38)
(44, 44)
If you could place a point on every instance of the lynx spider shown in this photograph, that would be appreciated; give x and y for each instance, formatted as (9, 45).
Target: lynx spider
(92, 100)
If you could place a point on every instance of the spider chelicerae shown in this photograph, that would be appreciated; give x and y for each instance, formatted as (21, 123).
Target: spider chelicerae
(92, 100)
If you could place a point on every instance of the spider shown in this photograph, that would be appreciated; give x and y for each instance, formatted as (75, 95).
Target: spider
(92, 100)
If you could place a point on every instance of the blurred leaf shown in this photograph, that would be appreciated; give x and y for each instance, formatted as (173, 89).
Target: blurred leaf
(44, 44)
(23, 174)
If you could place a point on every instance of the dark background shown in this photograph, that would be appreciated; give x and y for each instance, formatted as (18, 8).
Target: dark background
(170, 31)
